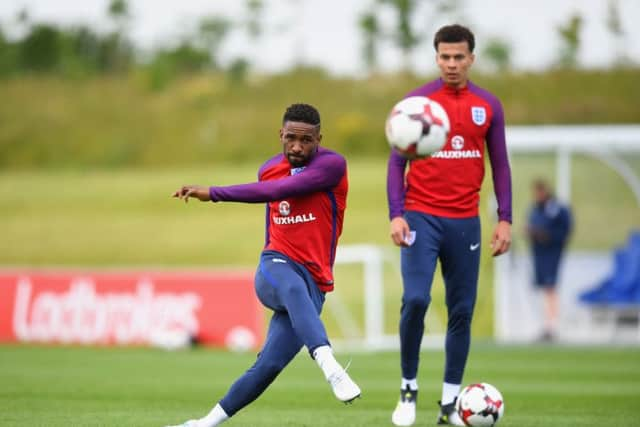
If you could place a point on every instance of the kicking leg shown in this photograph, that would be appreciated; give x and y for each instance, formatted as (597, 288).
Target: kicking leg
(283, 284)
(279, 348)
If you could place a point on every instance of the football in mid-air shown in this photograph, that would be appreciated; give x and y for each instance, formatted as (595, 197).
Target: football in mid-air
(417, 127)
(480, 405)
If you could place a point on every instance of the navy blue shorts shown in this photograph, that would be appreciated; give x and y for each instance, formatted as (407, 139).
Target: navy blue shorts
(545, 266)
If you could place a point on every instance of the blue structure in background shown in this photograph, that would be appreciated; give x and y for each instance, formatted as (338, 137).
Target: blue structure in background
(622, 287)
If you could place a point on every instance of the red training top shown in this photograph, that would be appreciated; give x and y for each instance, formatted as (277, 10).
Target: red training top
(448, 182)
(305, 209)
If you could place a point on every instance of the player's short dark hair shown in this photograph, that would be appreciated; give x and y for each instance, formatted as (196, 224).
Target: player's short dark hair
(304, 113)
(454, 34)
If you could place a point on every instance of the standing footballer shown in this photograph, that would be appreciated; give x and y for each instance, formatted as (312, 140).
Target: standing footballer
(438, 201)
(305, 191)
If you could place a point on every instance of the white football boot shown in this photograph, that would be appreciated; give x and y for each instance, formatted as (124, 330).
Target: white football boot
(405, 412)
(448, 415)
(343, 386)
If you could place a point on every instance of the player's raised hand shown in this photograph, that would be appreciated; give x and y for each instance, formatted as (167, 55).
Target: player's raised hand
(501, 238)
(197, 191)
(400, 231)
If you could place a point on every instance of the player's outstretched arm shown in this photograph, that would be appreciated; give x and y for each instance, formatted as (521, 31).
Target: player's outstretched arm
(196, 191)
(501, 238)
(324, 172)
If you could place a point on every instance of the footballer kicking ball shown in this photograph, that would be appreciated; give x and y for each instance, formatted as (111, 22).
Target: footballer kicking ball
(417, 127)
(480, 405)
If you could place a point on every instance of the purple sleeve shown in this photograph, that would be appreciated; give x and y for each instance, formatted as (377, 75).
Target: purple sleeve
(395, 184)
(325, 171)
(497, 146)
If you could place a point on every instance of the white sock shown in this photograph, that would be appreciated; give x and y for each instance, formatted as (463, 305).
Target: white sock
(449, 392)
(323, 356)
(214, 418)
(412, 384)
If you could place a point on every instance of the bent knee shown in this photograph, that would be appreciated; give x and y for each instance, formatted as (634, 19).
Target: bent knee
(415, 303)
(461, 317)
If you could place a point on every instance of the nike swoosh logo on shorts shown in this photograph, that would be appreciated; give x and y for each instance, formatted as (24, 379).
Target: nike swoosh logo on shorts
(474, 247)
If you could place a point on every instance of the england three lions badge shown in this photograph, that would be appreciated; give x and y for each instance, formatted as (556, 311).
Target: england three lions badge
(478, 115)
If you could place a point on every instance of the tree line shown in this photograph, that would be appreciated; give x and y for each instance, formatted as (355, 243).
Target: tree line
(80, 50)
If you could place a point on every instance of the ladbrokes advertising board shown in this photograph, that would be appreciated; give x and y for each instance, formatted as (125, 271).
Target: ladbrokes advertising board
(124, 308)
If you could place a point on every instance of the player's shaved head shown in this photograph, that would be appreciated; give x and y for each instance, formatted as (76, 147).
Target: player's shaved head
(541, 190)
(303, 113)
(455, 33)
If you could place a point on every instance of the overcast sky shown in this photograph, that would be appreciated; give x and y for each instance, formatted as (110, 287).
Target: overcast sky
(325, 32)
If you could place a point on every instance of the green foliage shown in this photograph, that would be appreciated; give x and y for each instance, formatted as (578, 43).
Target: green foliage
(8, 56)
(115, 54)
(368, 23)
(118, 9)
(542, 387)
(404, 35)
(211, 32)
(206, 118)
(238, 71)
(570, 37)
(71, 52)
(254, 24)
(41, 49)
(617, 31)
(613, 21)
(168, 64)
(80, 51)
(498, 52)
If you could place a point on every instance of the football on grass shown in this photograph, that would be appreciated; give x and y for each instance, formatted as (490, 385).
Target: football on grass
(417, 127)
(480, 405)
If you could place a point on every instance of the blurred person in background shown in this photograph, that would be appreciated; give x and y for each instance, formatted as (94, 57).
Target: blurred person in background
(305, 189)
(548, 229)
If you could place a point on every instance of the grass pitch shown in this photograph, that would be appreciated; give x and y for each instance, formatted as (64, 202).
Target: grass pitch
(73, 386)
